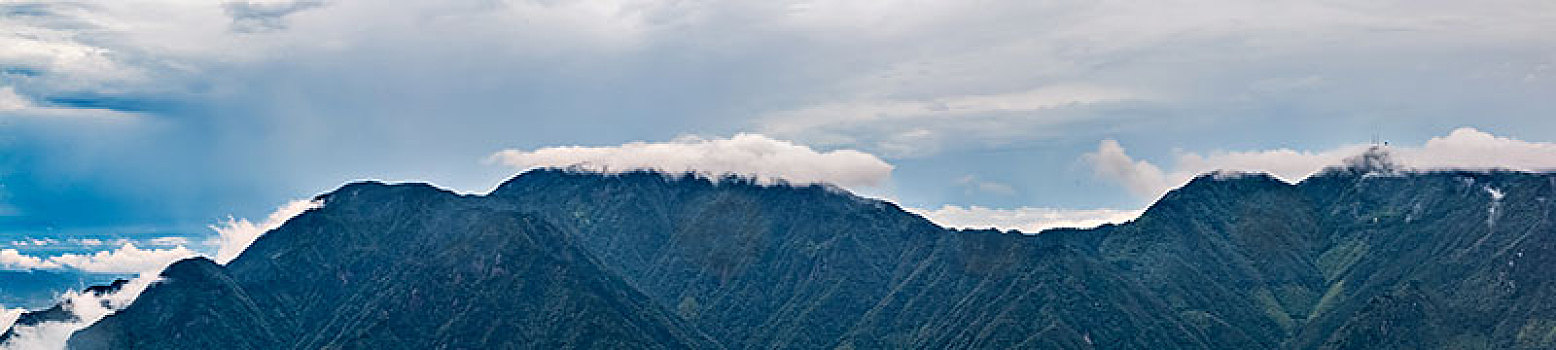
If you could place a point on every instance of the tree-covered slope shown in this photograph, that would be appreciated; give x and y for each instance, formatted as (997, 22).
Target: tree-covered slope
(1351, 258)
(1227, 261)
(814, 267)
(402, 266)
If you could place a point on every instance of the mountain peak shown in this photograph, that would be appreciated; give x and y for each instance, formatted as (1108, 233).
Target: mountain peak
(192, 267)
(1227, 181)
(1375, 161)
(369, 191)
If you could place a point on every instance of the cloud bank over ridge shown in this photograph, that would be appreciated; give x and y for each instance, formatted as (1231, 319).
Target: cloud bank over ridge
(127, 258)
(764, 158)
(1463, 148)
(233, 236)
(87, 308)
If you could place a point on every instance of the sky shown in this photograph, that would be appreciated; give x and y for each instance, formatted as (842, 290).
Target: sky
(144, 128)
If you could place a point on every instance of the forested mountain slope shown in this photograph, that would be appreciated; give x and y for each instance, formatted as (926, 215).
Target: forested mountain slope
(1349, 258)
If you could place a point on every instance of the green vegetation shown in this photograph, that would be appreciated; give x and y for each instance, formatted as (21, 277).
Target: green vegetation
(561, 259)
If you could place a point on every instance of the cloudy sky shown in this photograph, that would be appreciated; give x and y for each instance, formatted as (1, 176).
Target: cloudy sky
(149, 121)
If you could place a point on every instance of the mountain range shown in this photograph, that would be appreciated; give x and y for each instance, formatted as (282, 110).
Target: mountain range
(1353, 257)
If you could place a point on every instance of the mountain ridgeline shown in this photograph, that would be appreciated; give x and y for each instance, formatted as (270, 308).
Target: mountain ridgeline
(560, 259)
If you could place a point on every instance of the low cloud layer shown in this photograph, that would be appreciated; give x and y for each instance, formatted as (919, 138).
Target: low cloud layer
(1463, 148)
(11, 259)
(235, 235)
(1467, 148)
(170, 241)
(128, 258)
(88, 309)
(1026, 220)
(758, 156)
(232, 237)
(8, 317)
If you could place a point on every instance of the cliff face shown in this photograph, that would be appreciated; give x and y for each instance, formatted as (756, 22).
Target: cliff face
(559, 259)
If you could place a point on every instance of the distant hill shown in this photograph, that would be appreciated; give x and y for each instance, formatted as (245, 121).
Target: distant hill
(1349, 258)
(59, 312)
(35, 288)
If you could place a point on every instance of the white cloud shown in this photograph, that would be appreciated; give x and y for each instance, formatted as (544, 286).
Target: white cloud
(874, 74)
(48, 38)
(38, 242)
(1190, 63)
(10, 101)
(816, 117)
(171, 241)
(1027, 220)
(235, 235)
(11, 259)
(1468, 148)
(1140, 177)
(894, 78)
(1286, 164)
(168, 241)
(126, 259)
(910, 128)
(140, 46)
(753, 155)
(97, 242)
(88, 309)
(8, 316)
(1463, 148)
